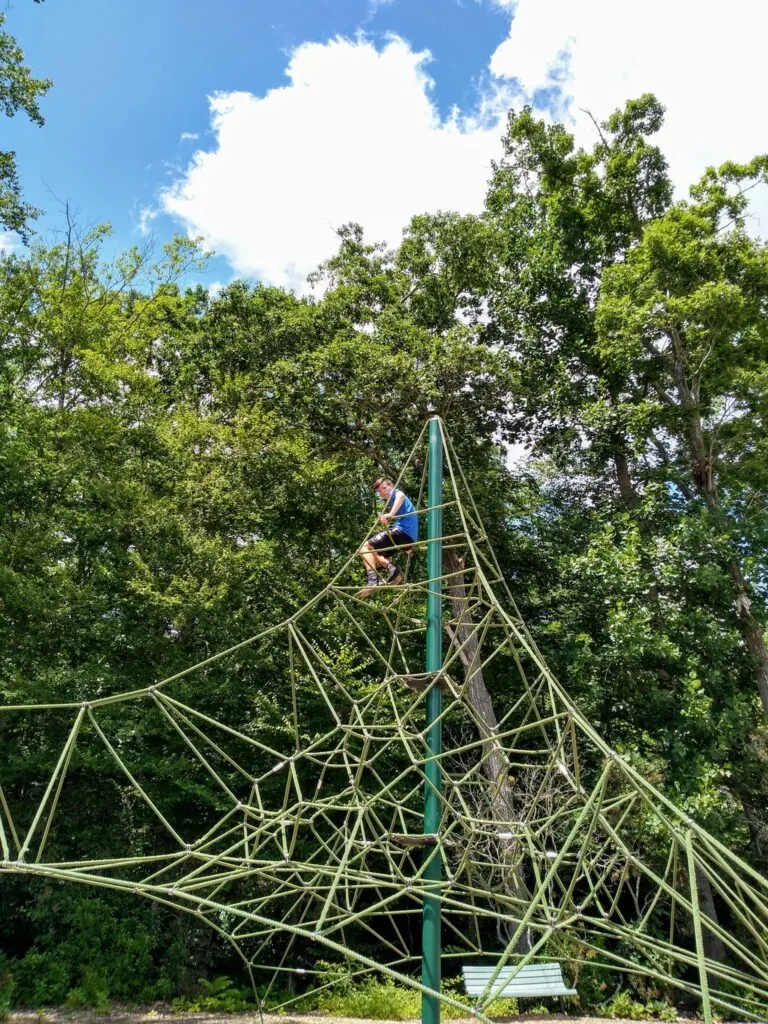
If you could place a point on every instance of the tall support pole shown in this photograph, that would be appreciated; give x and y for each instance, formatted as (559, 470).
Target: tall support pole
(430, 935)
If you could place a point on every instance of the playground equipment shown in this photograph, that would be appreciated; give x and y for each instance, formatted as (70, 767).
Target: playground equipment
(392, 797)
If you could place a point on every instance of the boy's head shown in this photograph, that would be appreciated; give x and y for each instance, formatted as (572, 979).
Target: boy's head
(383, 487)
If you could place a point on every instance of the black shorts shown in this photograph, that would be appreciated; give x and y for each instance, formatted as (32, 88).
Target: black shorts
(391, 539)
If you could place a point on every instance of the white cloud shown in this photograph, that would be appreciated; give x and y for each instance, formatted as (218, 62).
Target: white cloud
(189, 136)
(703, 61)
(147, 214)
(9, 243)
(355, 135)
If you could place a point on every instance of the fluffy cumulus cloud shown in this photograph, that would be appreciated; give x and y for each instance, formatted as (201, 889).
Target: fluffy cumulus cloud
(354, 136)
(704, 61)
(355, 133)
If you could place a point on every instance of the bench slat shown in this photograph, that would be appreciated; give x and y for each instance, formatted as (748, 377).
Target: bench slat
(531, 980)
(523, 990)
(541, 976)
(486, 972)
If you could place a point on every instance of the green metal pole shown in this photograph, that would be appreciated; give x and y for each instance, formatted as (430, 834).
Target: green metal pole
(430, 934)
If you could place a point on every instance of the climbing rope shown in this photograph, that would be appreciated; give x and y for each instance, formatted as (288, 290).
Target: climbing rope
(315, 845)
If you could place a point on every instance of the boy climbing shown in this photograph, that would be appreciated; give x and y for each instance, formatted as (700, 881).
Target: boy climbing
(401, 523)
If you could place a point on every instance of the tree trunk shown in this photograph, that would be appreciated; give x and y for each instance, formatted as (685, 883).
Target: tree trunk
(713, 944)
(626, 487)
(463, 635)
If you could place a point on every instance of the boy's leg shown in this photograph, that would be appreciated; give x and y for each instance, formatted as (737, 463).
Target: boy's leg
(369, 557)
(392, 574)
(375, 554)
(372, 554)
(370, 561)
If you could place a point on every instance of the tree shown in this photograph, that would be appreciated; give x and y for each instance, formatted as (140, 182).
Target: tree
(683, 321)
(18, 91)
(633, 605)
(560, 216)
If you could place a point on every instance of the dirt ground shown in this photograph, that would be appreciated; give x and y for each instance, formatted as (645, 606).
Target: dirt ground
(166, 1017)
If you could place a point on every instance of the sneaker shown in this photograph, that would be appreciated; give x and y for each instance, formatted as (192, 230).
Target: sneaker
(372, 581)
(394, 575)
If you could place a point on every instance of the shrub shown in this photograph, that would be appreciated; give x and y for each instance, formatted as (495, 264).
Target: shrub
(39, 979)
(5, 987)
(624, 1005)
(662, 1009)
(218, 996)
(378, 999)
(93, 991)
(498, 1008)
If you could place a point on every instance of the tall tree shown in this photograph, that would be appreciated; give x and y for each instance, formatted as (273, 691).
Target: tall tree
(632, 608)
(683, 321)
(560, 216)
(19, 91)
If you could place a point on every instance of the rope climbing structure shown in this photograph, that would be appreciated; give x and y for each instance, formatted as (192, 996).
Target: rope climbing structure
(543, 843)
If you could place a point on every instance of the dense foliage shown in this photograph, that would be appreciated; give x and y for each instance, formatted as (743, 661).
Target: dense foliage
(178, 470)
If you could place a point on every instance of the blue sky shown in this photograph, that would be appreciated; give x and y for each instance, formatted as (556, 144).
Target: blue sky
(325, 111)
(130, 78)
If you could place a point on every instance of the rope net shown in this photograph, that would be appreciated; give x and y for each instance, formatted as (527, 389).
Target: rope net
(308, 843)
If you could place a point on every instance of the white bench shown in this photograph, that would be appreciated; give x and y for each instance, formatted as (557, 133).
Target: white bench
(530, 980)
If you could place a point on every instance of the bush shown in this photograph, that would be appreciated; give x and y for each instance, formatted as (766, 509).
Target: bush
(376, 1000)
(92, 992)
(141, 952)
(5, 987)
(162, 990)
(39, 979)
(498, 1008)
(624, 1005)
(218, 996)
(662, 1009)
(385, 1000)
(120, 949)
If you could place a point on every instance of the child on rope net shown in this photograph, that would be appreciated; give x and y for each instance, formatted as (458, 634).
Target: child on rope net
(403, 534)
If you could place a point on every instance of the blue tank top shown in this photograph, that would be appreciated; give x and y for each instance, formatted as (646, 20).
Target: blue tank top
(407, 519)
